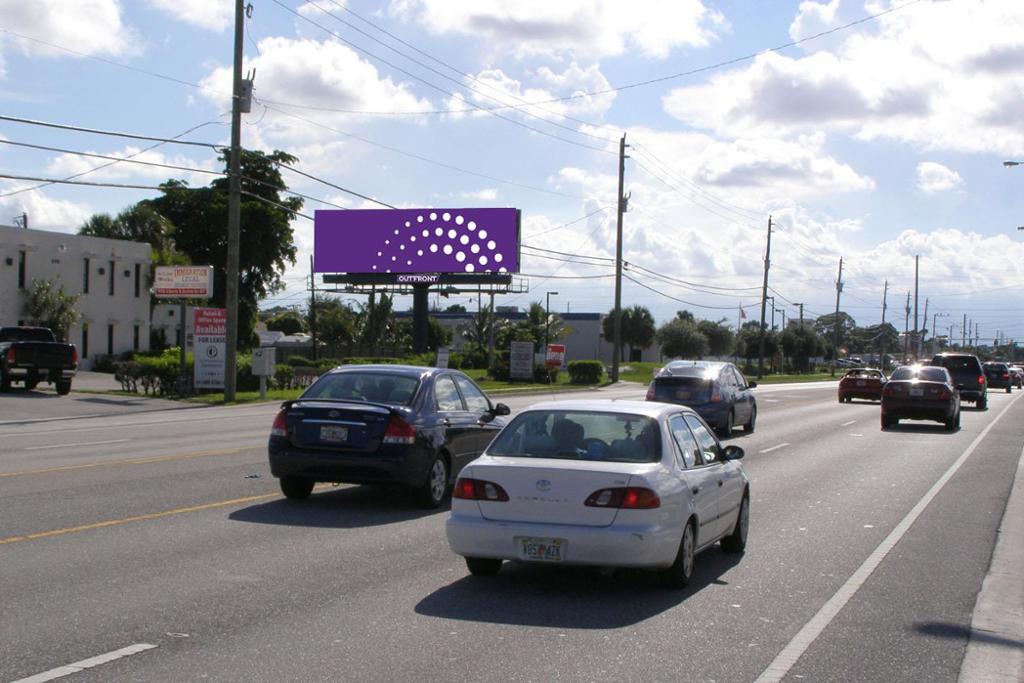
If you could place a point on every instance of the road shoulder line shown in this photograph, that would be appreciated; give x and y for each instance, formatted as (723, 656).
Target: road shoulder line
(791, 653)
(84, 664)
(995, 651)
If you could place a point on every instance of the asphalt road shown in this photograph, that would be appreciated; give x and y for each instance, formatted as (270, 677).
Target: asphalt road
(165, 529)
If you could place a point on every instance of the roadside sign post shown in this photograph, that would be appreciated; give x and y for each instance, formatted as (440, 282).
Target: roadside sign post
(442, 357)
(183, 283)
(520, 360)
(554, 358)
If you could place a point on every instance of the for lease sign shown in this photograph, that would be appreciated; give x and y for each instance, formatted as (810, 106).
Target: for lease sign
(183, 282)
(210, 325)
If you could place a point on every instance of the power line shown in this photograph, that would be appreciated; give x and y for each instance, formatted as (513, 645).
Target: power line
(337, 187)
(565, 253)
(690, 284)
(682, 301)
(97, 131)
(566, 225)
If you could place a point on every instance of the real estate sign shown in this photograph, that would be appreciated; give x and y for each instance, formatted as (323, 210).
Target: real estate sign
(209, 341)
(520, 360)
(183, 282)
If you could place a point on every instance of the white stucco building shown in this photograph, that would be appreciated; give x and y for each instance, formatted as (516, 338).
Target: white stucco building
(110, 277)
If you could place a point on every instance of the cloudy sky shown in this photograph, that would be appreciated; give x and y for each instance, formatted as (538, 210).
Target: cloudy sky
(872, 131)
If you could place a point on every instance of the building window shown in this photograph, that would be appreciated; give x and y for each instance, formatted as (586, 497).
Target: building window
(138, 274)
(85, 276)
(85, 340)
(110, 286)
(135, 338)
(110, 339)
(22, 256)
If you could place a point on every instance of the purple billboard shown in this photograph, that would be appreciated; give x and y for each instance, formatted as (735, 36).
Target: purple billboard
(416, 241)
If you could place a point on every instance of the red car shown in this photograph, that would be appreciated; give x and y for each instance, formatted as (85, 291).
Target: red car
(863, 383)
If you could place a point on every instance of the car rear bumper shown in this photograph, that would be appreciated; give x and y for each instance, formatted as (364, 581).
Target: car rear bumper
(918, 410)
(868, 394)
(611, 546)
(34, 373)
(408, 467)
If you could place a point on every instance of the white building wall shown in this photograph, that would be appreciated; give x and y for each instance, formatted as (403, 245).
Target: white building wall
(107, 322)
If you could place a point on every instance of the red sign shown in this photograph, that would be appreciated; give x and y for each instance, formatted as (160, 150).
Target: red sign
(210, 321)
(555, 355)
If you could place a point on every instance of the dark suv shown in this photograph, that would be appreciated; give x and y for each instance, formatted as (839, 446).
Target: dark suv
(998, 376)
(968, 376)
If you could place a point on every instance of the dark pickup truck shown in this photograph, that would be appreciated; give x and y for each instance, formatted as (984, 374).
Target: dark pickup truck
(31, 355)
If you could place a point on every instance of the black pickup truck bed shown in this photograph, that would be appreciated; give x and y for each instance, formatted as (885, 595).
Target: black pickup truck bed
(31, 355)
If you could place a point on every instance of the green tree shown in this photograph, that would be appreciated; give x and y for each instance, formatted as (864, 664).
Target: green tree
(48, 305)
(748, 342)
(336, 323)
(800, 344)
(683, 339)
(637, 328)
(138, 223)
(825, 326)
(266, 244)
(721, 338)
(290, 322)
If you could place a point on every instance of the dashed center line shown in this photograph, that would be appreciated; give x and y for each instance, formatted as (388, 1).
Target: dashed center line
(72, 445)
(847, 424)
(81, 665)
(775, 448)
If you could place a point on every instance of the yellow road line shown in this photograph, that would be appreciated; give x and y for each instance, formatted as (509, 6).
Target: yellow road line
(135, 518)
(132, 461)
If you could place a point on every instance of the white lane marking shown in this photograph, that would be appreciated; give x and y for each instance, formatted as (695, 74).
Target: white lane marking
(847, 424)
(775, 448)
(789, 655)
(770, 400)
(72, 445)
(69, 669)
(124, 425)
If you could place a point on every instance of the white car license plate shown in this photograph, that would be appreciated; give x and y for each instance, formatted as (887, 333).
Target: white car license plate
(541, 549)
(333, 433)
(861, 383)
(916, 391)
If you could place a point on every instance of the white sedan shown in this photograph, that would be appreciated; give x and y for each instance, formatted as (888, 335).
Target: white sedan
(607, 483)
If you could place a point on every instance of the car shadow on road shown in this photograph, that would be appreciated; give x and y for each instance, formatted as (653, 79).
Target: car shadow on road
(921, 428)
(569, 597)
(351, 507)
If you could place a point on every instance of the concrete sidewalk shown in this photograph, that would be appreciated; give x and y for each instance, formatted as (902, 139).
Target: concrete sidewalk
(995, 652)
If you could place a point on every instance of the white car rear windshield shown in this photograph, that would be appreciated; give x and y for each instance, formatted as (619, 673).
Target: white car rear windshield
(580, 435)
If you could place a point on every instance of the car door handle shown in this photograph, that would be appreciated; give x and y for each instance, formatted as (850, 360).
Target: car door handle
(446, 422)
(720, 482)
(696, 490)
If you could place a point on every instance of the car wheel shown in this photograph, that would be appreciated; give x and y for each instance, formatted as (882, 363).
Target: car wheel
(29, 386)
(482, 566)
(431, 493)
(5, 383)
(296, 488)
(889, 422)
(736, 542)
(982, 403)
(681, 571)
(64, 387)
(1008, 389)
(951, 423)
(749, 427)
(726, 429)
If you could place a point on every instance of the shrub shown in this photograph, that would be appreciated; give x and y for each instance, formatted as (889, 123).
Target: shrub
(284, 377)
(545, 374)
(500, 370)
(296, 361)
(585, 371)
(371, 360)
(128, 373)
(103, 363)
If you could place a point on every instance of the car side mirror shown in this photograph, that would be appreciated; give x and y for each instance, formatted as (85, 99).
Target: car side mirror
(733, 453)
(501, 409)
(751, 384)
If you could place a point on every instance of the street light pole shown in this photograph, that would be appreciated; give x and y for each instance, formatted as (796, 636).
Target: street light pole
(547, 318)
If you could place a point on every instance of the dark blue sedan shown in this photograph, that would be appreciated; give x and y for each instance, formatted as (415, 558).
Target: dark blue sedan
(717, 391)
(383, 424)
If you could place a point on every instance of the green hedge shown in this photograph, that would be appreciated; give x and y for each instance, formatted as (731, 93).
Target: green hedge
(585, 371)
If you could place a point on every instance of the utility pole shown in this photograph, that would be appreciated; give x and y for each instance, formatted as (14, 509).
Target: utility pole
(920, 337)
(764, 300)
(312, 304)
(906, 330)
(835, 340)
(234, 209)
(963, 334)
(622, 199)
(881, 352)
(801, 314)
(917, 341)
(977, 337)
(772, 298)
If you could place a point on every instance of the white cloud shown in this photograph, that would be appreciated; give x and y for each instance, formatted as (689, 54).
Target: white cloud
(813, 18)
(91, 27)
(933, 177)
(44, 212)
(326, 78)
(595, 28)
(215, 15)
(70, 164)
(938, 76)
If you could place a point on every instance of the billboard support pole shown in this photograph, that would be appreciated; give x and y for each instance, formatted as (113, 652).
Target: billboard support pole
(420, 308)
(182, 377)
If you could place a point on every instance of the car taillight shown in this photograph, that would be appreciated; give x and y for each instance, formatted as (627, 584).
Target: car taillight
(477, 489)
(981, 379)
(280, 426)
(716, 394)
(945, 394)
(1006, 375)
(625, 497)
(10, 355)
(74, 356)
(650, 392)
(399, 431)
